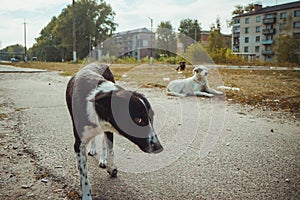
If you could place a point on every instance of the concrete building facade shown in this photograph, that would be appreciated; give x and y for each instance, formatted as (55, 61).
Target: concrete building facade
(254, 33)
(135, 43)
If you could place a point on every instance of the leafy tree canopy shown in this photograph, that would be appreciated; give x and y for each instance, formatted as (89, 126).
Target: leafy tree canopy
(190, 31)
(166, 39)
(94, 23)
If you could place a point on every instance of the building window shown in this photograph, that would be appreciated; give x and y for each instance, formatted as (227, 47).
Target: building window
(283, 15)
(258, 18)
(236, 21)
(257, 39)
(282, 26)
(257, 29)
(246, 39)
(297, 13)
(247, 20)
(297, 35)
(246, 49)
(247, 30)
(256, 48)
(297, 24)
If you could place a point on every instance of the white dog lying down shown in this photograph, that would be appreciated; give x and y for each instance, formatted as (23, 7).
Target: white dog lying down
(196, 85)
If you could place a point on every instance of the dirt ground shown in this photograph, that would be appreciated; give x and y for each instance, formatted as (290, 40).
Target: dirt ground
(214, 149)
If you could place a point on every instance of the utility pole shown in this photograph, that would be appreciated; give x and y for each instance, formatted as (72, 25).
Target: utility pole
(151, 21)
(25, 48)
(74, 33)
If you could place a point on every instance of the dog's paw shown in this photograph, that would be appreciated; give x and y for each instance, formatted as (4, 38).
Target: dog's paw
(92, 152)
(209, 95)
(102, 165)
(219, 93)
(113, 172)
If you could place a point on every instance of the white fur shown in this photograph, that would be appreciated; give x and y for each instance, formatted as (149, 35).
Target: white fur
(197, 85)
(82, 167)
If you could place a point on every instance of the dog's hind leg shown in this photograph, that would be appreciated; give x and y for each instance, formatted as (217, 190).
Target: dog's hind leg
(111, 168)
(82, 167)
(176, 94)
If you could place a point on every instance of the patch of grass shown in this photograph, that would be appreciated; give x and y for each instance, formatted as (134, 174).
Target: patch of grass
(274, 89)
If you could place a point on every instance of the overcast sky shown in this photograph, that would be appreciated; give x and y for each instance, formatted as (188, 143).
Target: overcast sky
(130, 14)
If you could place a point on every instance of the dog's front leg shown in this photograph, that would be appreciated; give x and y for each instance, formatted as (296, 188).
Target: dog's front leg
(212, 91)
(111, 168)
(103, 155)
(82, 167)
(93, 149)
(198, 93)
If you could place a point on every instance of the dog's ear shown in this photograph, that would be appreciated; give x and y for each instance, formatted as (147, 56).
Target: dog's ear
(195, 70)
(102, 103)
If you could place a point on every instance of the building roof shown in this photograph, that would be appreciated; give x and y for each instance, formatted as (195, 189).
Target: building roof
(270, 9)
(139, 30)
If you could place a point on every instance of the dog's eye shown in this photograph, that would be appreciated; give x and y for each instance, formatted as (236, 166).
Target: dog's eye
(138, 120)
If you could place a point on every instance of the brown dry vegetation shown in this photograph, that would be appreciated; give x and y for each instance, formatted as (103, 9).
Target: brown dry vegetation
(267, 89)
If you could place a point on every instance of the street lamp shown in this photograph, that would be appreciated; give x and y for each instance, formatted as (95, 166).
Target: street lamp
(25, 48)
(151, 21)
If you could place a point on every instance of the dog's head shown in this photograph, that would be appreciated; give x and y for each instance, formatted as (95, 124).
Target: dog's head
(131, 115)
(200, 72)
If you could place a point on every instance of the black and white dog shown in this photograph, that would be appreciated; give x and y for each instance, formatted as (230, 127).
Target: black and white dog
(97, 105)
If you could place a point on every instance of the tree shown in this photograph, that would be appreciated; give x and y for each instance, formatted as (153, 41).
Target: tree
(216, 45)
(249, 8)
(286, 48)
(190, 32)
(239, 9)
(196, 54)
(12, 51)
(287, 45)
(166, 39)
(215, 38)
(94, 24)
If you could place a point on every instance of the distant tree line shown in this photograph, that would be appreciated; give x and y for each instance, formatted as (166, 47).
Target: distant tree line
(95, 24)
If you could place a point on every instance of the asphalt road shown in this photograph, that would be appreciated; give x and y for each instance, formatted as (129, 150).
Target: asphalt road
(212, 149)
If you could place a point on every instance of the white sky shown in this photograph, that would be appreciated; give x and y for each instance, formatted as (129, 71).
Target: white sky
(130, 14)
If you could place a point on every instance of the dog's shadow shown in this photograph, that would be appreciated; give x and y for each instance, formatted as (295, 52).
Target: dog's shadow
(105, 187)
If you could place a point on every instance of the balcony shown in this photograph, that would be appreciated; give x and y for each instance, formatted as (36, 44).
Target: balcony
(269, 31)
(267, 52)
(269, 20)
(236, 34)
(235, 49)
(265, 42)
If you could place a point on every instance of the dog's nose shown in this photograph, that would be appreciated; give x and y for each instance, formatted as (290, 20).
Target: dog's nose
(206, 73)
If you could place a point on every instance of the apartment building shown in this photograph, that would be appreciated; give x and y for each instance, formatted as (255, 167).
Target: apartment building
(254, 33)
(135, 43)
